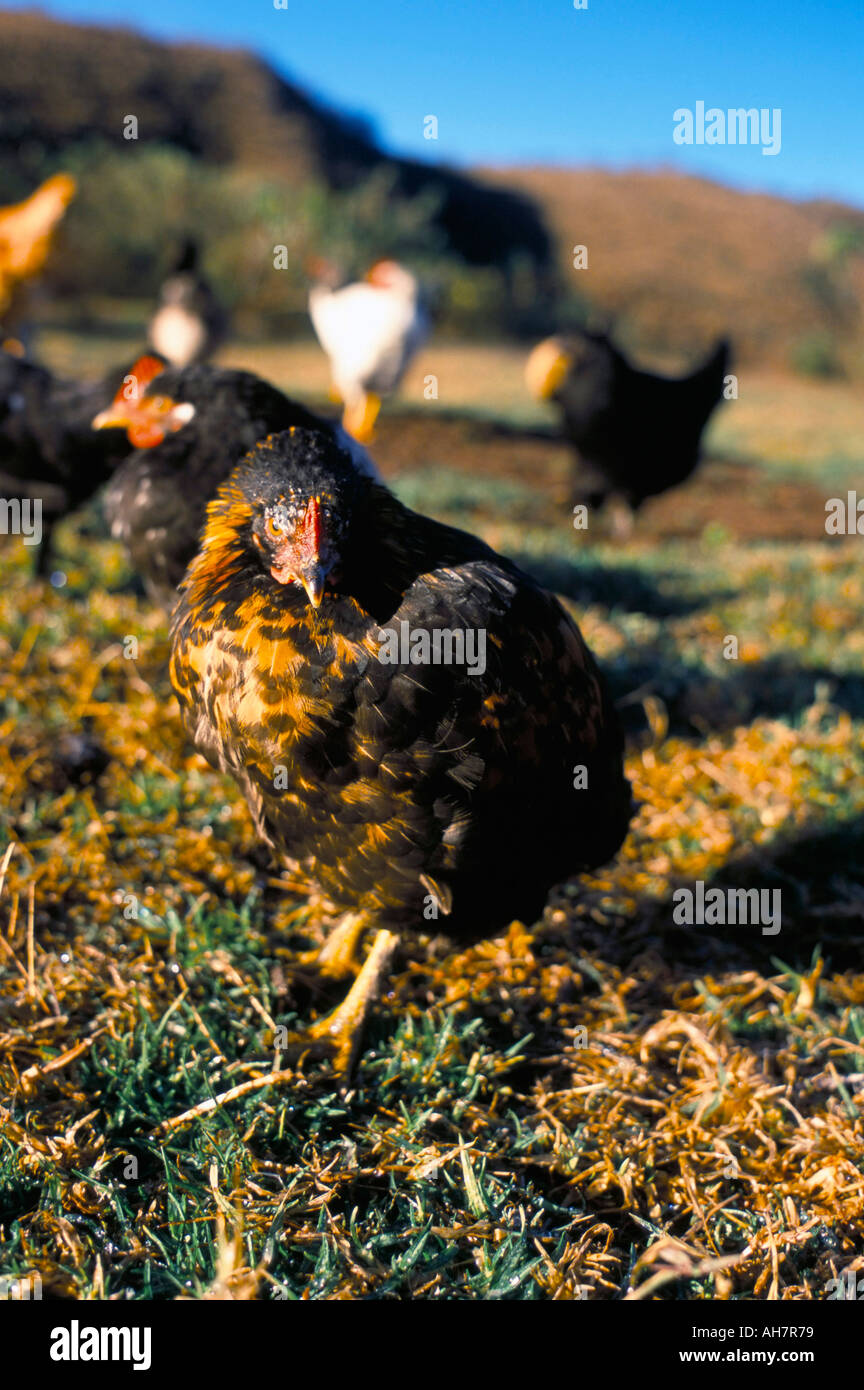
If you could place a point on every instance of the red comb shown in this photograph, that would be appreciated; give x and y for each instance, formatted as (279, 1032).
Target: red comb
(309, 531)
(135, 383)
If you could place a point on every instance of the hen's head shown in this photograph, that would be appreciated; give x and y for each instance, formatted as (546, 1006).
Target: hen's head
(575, 354)
(143, 408)
(390, 275)
(292, 502)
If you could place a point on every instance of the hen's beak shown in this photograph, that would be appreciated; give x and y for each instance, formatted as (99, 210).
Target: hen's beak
(546, 368)
(311, 574)
(313, 578)
(111, 419)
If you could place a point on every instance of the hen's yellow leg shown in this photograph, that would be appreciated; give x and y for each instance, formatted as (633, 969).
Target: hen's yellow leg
(343, 1028)
(337, 958)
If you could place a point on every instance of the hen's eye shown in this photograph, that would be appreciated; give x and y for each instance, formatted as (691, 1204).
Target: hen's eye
(273, 528)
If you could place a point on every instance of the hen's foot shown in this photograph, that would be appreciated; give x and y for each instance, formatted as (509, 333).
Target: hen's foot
(342, 1030)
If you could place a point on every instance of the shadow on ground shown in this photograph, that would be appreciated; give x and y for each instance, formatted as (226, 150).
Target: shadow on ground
(698, 702)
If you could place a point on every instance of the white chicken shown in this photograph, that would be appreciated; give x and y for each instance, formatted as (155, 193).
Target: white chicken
(370, 330)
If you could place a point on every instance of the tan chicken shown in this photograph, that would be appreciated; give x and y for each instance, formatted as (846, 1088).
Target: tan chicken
(26, 233)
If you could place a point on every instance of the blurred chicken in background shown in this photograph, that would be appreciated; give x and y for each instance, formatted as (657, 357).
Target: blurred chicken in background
(26, 234)
(48, 449)
(634, 434)
(189, 323)
(370, 330)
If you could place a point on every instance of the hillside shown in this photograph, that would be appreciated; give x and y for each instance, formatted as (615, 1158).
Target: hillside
(678, 260)
(66, 84)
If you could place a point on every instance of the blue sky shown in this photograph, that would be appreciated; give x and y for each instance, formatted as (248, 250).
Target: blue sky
(537, 81)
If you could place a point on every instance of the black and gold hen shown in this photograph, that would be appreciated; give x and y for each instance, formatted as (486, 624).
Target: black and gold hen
(187, 427)
(403, 792)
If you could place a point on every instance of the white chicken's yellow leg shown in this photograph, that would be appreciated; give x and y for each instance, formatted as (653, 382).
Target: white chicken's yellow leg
(344, 1026)
(360, 415)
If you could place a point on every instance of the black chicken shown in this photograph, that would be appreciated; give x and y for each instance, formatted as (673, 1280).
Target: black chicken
(634, 434)
(48, 451)
(189, 427)
(418, 728)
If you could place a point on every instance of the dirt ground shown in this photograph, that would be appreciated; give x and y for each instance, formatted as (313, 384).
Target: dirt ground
(753, 502)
